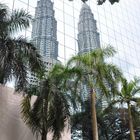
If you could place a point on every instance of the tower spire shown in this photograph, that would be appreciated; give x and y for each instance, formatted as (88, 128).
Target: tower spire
(88, 37)
(45, 29)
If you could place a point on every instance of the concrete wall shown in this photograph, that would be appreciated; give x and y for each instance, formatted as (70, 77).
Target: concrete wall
(11, 125)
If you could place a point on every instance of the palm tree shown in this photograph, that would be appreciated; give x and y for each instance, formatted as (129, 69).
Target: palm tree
(113, 123)
(50, 112)
(127, 95)
(81, 121)
(99, 75)
(17, 55)
(100, 2)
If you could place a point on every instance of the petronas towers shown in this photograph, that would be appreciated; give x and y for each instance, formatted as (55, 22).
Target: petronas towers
(88, 37)
(44, 31)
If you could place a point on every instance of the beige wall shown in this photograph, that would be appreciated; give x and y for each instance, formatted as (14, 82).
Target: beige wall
(11, 125)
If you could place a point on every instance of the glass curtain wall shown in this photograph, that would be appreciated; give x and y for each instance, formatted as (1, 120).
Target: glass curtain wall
(118, 25)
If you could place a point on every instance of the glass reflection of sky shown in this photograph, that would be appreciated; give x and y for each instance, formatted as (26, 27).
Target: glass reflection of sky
(118, 25)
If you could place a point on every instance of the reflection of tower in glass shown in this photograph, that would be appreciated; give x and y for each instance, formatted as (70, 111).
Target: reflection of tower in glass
(88, 40)
(88, 37)
(44, 36)
(44, 29)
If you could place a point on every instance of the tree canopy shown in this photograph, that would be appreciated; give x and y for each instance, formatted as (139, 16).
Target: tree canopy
(100, 2)
(18, 56)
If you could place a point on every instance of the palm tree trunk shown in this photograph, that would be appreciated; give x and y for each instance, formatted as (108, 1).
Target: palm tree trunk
(106, 135)
(1, 77)
(93, 117)
(132, 134)
(43, 136)
(44, 131)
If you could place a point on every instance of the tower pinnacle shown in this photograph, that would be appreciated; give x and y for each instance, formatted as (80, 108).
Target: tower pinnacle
(88, 37)
(45, 29)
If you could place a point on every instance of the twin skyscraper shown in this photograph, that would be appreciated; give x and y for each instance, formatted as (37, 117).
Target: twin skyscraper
(44, 31)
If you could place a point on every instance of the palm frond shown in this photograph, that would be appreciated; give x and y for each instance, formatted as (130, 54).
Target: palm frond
(29, 53)
(3, 12)
(111, 104)
(57, 71)
(124, 90)
(104, 76)
(19, 20)
(25, 108)
(38, 115)
(137, 80)
(112, 76)
(68, 79)
(115, 71)
(5, 74)
(17, 55)
(135, 91)
(49, 112)
(104, 52)
(80, 60)
(59, 105)
(108, 51)
(20, 74)
(136, 100)
(31, 90)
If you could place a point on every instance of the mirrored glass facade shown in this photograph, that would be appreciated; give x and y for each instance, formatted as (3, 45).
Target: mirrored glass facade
(117, 25)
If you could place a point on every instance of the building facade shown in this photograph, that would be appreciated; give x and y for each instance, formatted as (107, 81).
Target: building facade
(44, 36)
(44, 29)
(88, 37)
(118, 25)
(88, 40)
